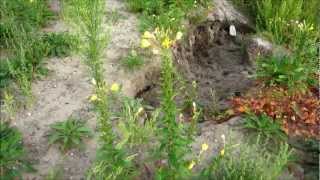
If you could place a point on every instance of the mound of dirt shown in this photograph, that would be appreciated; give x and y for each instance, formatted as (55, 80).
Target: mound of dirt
(218, 63)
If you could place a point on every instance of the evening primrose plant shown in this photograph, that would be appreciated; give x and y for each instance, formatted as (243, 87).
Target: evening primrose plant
(112, 160)
(174, 139)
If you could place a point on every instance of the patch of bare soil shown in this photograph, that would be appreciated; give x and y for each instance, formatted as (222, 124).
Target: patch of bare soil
(60, 95)
(217, 62)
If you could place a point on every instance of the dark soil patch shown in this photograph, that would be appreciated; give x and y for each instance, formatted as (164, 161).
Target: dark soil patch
(216, 61)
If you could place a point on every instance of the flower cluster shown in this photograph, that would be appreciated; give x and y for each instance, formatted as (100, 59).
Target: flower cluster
(115, 88)
(158, 40)
(204, 147)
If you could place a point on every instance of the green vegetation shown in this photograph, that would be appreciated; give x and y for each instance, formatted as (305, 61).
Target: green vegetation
(251, 162)
(60, 44)
(25, 47)
(133, 61)
(12, 153)
(282, 18)
(265, 126)
(166, 14)
(90, 17)
(289, 72)
(112, 160)
(21, 14)
(54, 174)
(69, 133)
(135, 141)
(134, 128)
(20, 22)
(294, 24)
(174, 143)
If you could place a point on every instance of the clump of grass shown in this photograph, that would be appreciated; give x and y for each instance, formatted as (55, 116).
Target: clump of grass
(20, 37)
(12, 153)
(281, 18)
(133, 61)
(68, 134)
(30, 15)
(294, 24)
(60, 44)
(245, 161)
(9, 106)
(164, 14)
(134, 127)
(290, 72)
(55, 173)
(265, 126)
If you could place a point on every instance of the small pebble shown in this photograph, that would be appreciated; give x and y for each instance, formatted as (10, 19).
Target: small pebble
(232, 30)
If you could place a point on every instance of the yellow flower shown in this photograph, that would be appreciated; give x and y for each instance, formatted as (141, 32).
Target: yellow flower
(148, 35)
(179, 35)
(93, 98)
(115, 87)
(191, 164)
(204, 147)
(166, 43)
(145, 43)
(140, 110)
(222, 152)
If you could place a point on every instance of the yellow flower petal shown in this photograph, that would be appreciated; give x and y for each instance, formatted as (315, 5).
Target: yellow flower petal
(115, 87)
(93, 98)
(222, 152)
(166, 43)
(204, 147)
(191, 165)
(148, 35)
(140, 110)
(145, 43)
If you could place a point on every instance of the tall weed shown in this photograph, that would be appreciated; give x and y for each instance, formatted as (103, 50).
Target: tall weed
(112, 160)
(174, 142)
